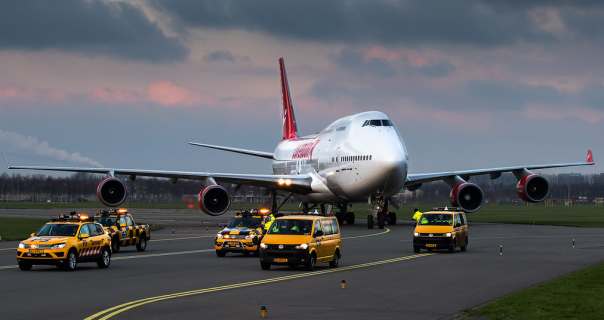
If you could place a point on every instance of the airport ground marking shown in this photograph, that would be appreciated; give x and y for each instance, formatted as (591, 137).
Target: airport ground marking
(161, 254)
(170, 239)
(8, 249)
(108, 313)
(8, 267)
(368, 235)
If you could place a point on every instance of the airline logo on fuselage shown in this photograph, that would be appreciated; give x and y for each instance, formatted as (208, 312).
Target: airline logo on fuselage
(305, 150)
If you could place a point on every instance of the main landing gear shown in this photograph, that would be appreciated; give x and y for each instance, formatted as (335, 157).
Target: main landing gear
(344, 216)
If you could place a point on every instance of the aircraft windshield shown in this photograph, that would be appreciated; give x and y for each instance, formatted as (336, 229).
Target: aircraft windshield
(106, 221)
(61, 230)
(377, 123)
(293, 226)
(244, 222)
(432, 219)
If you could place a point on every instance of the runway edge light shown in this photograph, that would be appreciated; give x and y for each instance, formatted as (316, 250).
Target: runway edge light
(343, 284)
(500, 250)
(263, 311)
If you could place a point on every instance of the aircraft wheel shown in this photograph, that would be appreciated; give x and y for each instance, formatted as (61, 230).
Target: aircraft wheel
(381, 220)
(392, 218)
(340, 218)
(370, 221)
(350, 218)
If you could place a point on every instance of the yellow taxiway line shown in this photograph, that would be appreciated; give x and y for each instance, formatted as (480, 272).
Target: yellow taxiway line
(108, 313)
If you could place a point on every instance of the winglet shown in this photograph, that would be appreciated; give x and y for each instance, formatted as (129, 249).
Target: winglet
(8, 165)
(290, 128)
(590, 158)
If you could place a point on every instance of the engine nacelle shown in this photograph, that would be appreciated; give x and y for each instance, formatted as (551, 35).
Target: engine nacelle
(111, 192)
(467, 196)
(214, 200)
(532, 188)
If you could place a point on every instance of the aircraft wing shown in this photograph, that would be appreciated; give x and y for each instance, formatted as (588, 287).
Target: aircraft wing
(414, 179)
(300, 183)
(261, 154)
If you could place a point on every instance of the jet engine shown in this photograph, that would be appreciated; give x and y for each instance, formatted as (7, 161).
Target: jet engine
(111, 192)
(214, 200)
(532, 188)
(467, 196)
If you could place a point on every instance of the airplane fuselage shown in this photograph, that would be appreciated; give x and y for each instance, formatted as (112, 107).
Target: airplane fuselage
(352, 159)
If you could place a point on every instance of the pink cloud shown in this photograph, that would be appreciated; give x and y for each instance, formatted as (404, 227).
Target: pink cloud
(415, 58)
(544, 112)
(167, 93)
(12, 91)
(113, 96)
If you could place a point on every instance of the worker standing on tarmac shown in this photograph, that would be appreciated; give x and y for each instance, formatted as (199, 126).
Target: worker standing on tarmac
(416, 215)
(269, 222)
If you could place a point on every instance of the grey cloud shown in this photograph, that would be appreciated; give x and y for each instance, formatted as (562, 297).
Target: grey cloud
(383, 22)
(492, 94)
(592, 95)
(439, 69)
(351, 60)
(219, 56)
(92, 27)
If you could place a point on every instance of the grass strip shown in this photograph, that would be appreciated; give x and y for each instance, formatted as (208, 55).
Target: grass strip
(578, 295)
(19, 228)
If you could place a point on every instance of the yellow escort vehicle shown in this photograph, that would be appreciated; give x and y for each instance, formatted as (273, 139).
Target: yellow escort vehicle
(65, 242)
(242, 234)
(442, 228)
(301, 240)
(120, 226)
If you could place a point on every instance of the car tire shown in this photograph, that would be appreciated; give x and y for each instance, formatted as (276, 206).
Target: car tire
(452, 249)
(257, 253)
(381, 220)
(465, 246)
(416, 249)
(392, 218)
(142, 244)
(336, 260)
(71, 261)
(105, 260)
(25, 266)
(350, 218)
(265, 265)
(370, 221)
(310, 265)
(220, 253)
(115, 245)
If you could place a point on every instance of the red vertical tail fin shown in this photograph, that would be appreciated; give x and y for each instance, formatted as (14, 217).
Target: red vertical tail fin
(290, 128)
(590, 158)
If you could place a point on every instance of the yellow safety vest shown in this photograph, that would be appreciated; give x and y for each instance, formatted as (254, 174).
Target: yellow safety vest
(417, 215)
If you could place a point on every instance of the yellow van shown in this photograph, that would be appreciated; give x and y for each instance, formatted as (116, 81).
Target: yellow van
(441, 229)
(301, 240)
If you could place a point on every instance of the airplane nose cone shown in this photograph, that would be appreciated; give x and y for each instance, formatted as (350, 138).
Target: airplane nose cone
(391, 166)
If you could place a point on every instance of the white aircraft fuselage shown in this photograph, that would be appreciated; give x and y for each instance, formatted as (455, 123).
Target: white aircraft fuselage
(351, 160)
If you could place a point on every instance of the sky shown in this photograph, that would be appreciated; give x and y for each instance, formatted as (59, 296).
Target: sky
(469, 84)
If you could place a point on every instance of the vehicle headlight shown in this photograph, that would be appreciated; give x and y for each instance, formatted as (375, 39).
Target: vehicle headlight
(416, 234)
(263, 245)
(58, 246)
(22, 245)
(226, 236)
(448, 234)
(302, 246)
(250, 236)
(219, 236)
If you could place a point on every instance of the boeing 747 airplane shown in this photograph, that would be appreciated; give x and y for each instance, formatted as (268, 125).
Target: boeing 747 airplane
(358, 158)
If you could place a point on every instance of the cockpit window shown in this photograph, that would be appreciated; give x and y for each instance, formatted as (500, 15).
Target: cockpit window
(377, 123)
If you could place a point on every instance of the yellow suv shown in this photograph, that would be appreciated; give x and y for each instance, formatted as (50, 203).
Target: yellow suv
(242, 234)
(65, 242)
(301, 240)
(441, 229)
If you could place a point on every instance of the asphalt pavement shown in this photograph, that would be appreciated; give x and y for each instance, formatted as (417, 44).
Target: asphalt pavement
(180, 277)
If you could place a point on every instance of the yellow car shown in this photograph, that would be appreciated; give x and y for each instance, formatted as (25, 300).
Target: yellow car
(301, 240)
(65, 242)
(241, 235)
(441, 229)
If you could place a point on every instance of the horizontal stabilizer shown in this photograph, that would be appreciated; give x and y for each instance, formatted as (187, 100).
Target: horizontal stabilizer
(261, 154)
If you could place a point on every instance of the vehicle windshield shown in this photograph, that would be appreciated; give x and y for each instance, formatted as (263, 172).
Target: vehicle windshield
(61, 230)
(291, 226)
(434, 219)
(106, 221)
(245, 222)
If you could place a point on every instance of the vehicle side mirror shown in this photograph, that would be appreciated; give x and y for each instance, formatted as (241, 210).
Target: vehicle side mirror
(84, 236)
(318, 233)
(123, 225)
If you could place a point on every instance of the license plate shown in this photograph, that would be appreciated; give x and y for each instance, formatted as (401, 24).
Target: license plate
(36, 251)
(280, 260)
(431, 245)
(233, 244)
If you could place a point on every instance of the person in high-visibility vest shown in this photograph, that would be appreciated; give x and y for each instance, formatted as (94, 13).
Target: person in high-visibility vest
(269, 222)
(416, 215)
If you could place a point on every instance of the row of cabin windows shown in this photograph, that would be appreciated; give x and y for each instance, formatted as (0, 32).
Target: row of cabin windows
(337, 129)
(352, 158)
(378, 123)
